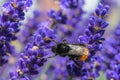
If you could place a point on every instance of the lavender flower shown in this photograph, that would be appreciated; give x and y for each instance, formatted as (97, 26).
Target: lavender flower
(110, 56)
(96, 28)
(30, 27)
(93, 40)
(13, 13)
(58, 69)
(67, 20)
(14, 9)
(72, 4)
(89, 69)
(58, 16)
(32, 59)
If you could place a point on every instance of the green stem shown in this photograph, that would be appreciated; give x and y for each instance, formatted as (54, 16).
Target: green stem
(70, 78)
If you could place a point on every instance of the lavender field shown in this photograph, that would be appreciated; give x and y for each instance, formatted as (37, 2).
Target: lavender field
(59, 40)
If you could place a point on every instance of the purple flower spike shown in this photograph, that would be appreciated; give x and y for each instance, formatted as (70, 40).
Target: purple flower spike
(92, 39)
(32, 59)
(30, 27)
(111, 56)
(59, 17)
(13, 13)
(96, 28)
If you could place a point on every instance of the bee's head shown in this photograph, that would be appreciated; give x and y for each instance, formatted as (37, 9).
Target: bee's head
(61, 49)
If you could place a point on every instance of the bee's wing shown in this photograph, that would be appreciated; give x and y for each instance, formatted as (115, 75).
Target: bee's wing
(76, 50)
(80, 44)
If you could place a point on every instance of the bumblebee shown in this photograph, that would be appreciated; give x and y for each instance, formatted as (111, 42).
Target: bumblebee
(74, 51)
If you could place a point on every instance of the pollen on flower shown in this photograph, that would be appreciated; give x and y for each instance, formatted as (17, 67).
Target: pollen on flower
(14, 4)
(26, 57)
(97, 28)
(47, 39)
(96, 64)
(35, 48)
(19, 71)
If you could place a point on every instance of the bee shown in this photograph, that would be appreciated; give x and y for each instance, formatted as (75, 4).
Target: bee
(74, 51)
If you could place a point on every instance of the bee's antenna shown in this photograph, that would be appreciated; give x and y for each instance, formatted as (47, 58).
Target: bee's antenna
(54, 41)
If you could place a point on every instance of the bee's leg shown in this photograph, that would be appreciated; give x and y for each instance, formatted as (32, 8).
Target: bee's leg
(52, 56)
(54, 41)
(77, 63)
